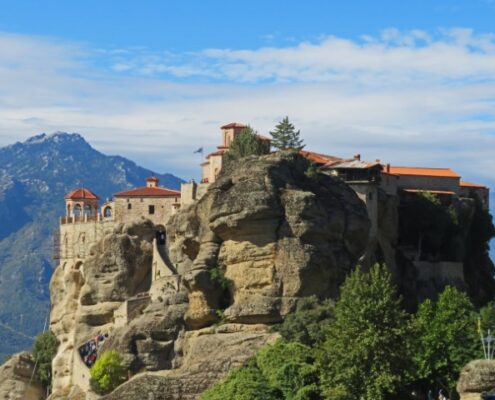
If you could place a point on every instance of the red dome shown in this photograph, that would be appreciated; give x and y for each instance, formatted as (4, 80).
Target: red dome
(81, 194)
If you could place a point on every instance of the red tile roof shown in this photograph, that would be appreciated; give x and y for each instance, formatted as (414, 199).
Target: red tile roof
(149, 192)
(419, 171)
(472, 185)
(233, 125)
(319, 158)
(80, 194)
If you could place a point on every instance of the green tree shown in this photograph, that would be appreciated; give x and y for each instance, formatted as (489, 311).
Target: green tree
(487, 317)
(44, 350)
(246, 383)
(446, 338)
(247, 143)
(365, 356)
(309, 322)
(285, 136)
(107, 373)
(282, 371)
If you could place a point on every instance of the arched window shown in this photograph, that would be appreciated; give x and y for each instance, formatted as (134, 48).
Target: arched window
(88, 210)
(77, 210)
(107, 212)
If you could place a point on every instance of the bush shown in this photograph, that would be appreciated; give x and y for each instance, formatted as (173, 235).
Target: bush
(107, 373)
(309, 323)
(44, 350)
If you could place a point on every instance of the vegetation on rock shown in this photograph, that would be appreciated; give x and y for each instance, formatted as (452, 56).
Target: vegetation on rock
(365, 346)
(44, 350)
(107, 373)
(247, 143)
(285, 136)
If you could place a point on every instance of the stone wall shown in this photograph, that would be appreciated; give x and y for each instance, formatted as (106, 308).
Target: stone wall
(429, 183)
(140, 209)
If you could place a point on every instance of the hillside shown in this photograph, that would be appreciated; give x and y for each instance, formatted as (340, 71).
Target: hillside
(34, 177)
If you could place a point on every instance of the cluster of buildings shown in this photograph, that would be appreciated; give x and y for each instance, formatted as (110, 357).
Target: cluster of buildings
(86, 221)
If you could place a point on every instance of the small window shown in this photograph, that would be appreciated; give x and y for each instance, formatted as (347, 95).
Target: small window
(151, 209)
(129, 206)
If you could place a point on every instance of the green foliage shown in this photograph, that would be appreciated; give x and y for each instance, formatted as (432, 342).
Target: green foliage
(217, 276)
(478, 269)
(487, 317)
(247, 143)
(309, 323)
(364, 356)
(44, 350)
(445, 338)
(247, 383)
(312, 173)
(430, 226)
(279, 371)
(107, 373)
(285, 136)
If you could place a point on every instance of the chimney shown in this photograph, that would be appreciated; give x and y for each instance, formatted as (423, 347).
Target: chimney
(152, 181)
(388, 168)
(357, 157)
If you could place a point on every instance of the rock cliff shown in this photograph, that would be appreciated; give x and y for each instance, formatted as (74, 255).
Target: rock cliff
(265, 234)
(15, 379)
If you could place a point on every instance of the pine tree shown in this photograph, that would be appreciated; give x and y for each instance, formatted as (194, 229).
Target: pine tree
(247, 143)
(365, 356)
(285, 136)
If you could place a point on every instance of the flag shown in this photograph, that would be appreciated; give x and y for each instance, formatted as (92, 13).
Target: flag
(200, 150)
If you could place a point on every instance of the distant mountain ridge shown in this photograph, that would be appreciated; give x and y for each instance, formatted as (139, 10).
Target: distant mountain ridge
(34, 177)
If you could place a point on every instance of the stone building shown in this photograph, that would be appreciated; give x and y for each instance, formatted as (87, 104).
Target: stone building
(85, 222)
(212, 165)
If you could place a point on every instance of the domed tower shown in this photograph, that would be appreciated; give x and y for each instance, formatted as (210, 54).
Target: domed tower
(81, 203)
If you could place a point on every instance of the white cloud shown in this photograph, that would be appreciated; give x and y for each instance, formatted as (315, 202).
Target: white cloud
(416, 98)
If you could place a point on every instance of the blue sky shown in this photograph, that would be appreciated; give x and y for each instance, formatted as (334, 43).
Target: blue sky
(406, 82)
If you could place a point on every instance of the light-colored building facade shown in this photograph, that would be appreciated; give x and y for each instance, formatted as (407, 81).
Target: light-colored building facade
(85, 222)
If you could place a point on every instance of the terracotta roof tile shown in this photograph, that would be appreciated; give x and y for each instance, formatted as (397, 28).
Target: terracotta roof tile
(472, 185)
(81, 193)
(149, 192)
(420, 171)
(233, 125)
(319, 158)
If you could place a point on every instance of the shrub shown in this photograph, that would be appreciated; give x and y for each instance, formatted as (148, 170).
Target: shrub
(107, 373)
(44, 350)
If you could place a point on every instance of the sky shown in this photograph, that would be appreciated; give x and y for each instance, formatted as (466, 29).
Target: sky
(409, 83)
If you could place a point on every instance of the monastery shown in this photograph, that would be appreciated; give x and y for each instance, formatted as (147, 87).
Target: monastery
(86, 222)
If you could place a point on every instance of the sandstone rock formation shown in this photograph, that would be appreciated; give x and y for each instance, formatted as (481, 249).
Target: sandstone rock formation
(15, 379)
(266, 233)
(476, 378)
(86, 293)
(275, 232)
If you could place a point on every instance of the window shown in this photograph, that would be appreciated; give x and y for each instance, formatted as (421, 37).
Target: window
(129, 206)
(151, 209)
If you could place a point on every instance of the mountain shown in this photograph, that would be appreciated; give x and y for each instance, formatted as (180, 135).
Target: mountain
(34, 177)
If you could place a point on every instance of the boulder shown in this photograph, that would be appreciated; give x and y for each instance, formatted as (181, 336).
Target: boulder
(476, 378)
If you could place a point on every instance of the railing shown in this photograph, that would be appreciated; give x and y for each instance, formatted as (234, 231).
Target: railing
(81, 219)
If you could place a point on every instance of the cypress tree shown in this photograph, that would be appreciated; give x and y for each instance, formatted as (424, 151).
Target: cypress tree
(285, 136)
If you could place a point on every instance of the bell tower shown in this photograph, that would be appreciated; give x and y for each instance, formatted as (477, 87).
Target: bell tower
(81, 203)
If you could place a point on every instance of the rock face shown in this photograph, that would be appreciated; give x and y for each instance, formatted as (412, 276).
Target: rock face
(274, 231)
(476, 378)
(15, 377)
(208, 354)
(86, 293)
(265, 234)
